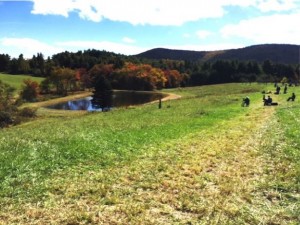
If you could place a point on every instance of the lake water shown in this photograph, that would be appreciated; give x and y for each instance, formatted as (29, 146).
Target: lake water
(105, 101)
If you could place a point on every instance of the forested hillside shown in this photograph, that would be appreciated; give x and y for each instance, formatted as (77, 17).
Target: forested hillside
(158, 68)
(279, 53)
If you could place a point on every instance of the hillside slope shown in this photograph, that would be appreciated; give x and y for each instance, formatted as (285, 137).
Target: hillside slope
(281, 53)
(201, 159)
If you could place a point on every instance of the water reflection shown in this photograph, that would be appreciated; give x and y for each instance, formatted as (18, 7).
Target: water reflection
(102, 100)
(105, 101)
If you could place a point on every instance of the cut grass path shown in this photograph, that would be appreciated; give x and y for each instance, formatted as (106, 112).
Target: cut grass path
(206, 177)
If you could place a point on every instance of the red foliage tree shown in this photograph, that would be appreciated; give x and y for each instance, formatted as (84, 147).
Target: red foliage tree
(30, 90)
(141, 77)
(174, 78)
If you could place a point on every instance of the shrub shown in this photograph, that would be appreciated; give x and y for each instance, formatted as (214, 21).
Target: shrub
(27, 112)
(5, 119)
(29, 91)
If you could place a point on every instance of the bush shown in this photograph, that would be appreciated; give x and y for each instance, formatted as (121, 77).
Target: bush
(5, 119)
(29, 90)
(27, 112)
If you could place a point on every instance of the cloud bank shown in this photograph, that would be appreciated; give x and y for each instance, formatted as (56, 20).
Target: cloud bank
(29, 47)
(276, 21)
(153, 12)
(266, 29)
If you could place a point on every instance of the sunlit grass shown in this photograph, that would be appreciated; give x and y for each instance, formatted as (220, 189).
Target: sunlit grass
(201, 159)
(16, 81)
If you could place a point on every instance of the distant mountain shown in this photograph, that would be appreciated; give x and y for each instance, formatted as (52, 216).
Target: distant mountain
(280, 53)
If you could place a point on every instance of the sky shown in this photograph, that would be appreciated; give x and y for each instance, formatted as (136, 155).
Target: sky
(133, 26)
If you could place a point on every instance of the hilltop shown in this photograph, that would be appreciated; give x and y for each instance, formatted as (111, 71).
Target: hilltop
(279, 53)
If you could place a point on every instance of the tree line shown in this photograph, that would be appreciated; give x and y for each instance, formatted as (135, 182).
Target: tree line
(103, 71)
(68, 71)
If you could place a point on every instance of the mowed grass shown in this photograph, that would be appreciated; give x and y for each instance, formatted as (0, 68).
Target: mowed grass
(16, 81)
(201, 159)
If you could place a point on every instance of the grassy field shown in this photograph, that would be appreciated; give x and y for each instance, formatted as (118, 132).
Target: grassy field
(16, 81)
(201, 159)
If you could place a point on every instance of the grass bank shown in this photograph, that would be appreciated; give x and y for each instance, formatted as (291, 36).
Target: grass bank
(16, 81)
(201, 159)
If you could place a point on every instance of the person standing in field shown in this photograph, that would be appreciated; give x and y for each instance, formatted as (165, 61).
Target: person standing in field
(159, 103)
(285, 89)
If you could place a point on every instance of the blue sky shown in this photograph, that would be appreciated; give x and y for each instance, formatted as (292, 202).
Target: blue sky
(133, 26)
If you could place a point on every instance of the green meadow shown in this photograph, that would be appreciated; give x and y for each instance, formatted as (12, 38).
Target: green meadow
(16, 81)
(200, 159)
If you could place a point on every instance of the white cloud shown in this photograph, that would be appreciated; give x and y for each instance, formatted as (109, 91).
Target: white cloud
(266, 29)
(186, 35)
(153, 12)
(45, 7)
(203, 34)
(15, 1)
(128, 40)
(26, 46)
(264, 5)
(29, 47)
(277, 5)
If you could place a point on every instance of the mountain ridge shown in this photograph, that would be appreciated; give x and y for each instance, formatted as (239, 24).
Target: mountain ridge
(280, 53)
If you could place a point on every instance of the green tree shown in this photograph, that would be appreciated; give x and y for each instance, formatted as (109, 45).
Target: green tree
(4, 62)
(64, 79)
(23, 65)
(267, 67)
(99, 75)
(37, 64)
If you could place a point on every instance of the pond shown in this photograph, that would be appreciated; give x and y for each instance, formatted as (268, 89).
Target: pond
(105, 101)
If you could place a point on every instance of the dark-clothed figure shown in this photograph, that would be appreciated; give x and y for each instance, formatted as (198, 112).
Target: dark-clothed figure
(246, 101)
(285, 89)
(277, 90)
(292, 98)
(268, 101)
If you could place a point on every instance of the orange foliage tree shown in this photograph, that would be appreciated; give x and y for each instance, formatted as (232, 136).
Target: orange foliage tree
(30, 90)
(63, 80)
(139, 77)
(174, 78)
(83, 78)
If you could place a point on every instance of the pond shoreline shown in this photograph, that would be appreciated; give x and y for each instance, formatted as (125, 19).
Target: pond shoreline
(79, 95)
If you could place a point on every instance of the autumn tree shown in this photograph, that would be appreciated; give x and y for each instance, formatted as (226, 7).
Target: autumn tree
(63, 79)
(30, 90)
(84, 78)
(99, 76)
(140, 77)
(174, 78)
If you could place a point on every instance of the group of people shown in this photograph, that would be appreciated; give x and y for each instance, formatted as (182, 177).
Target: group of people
(269, 101)
(277, 92)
